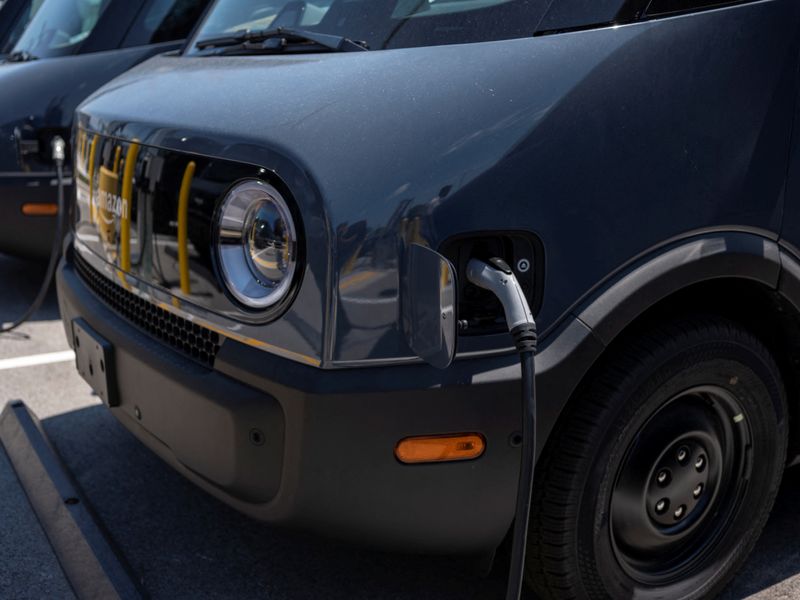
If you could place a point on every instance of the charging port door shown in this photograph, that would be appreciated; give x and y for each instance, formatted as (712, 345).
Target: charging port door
(429, 306)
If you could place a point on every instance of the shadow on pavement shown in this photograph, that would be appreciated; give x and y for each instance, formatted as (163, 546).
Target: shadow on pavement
(182, 543)
(20, 280)
(776, 557)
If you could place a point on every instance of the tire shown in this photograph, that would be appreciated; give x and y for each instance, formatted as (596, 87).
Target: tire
(659, 480)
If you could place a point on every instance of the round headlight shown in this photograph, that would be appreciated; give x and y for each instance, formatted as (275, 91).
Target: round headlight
(256, 244)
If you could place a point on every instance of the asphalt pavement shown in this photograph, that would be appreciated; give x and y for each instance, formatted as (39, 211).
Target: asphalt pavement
(181, 543)
(28, 566)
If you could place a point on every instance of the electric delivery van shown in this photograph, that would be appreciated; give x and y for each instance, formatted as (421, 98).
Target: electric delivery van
(241, 280)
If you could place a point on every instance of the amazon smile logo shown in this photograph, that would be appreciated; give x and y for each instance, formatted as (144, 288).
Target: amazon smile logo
(111, 206)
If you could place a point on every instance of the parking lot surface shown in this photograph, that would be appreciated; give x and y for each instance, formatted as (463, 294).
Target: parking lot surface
(181, 543)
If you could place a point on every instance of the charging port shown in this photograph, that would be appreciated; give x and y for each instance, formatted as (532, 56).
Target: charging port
(479, 308)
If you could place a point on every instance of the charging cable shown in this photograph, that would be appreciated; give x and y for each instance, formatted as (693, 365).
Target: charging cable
(497, 277)
(59, 147)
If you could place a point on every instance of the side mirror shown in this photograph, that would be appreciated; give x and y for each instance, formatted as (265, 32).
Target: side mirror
(429, 306)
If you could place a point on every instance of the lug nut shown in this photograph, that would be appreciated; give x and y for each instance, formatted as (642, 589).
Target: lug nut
(700, 463)
(662, 506)
(683, 454)
(697, 491)
(679, 512)
(663, 478)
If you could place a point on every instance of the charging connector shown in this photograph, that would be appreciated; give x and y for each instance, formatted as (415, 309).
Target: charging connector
(497, 277)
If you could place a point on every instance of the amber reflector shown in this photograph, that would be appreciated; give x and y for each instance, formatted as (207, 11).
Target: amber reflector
(38, 209)
(440, 448)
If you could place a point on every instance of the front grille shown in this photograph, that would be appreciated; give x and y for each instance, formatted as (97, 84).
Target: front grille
(189, 338)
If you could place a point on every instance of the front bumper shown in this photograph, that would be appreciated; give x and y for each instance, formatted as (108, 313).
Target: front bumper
(27, 236)
(292, 444)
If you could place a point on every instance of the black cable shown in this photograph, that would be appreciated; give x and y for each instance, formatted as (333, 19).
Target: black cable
(497, 277)
(526, 343)
(55, 252)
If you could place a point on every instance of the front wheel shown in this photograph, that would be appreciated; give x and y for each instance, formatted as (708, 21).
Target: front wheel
(659, 480)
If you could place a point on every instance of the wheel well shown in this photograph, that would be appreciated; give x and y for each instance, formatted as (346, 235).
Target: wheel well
(761, 310)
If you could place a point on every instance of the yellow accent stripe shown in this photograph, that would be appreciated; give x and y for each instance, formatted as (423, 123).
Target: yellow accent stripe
(183, 227)
(127, 205)
(92, 155)
(122, 279)
(117, 158)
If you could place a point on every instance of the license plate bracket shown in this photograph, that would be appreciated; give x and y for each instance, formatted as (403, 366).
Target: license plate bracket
(94, 358)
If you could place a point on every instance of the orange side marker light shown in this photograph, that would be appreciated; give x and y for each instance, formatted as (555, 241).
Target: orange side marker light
(440, 448)
(40, 209)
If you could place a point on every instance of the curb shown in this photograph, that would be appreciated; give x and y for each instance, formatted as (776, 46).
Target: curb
(87, 558)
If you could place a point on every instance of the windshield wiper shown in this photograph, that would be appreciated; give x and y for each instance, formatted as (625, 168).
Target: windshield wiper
(276, 40)
(21, 56)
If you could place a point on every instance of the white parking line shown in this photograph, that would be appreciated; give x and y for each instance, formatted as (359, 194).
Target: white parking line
(36, 359)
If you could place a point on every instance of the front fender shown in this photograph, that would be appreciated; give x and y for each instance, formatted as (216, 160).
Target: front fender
(569, 353)
(644, 282)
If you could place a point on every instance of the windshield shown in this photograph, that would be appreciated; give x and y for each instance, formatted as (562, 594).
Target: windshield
(60, 26)
(380, 23)
(23, 18)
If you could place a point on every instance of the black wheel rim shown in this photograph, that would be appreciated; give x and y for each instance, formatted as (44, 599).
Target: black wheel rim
(680, 485)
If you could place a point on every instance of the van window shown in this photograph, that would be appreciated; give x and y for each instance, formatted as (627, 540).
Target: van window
(59, 27)
(381, 23)
(20, 25)
(165, 21)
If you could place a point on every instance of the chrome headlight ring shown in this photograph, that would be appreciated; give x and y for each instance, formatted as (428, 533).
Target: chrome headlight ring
(257, 246)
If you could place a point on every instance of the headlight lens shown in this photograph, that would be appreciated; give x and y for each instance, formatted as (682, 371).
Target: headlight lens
(257, 244)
